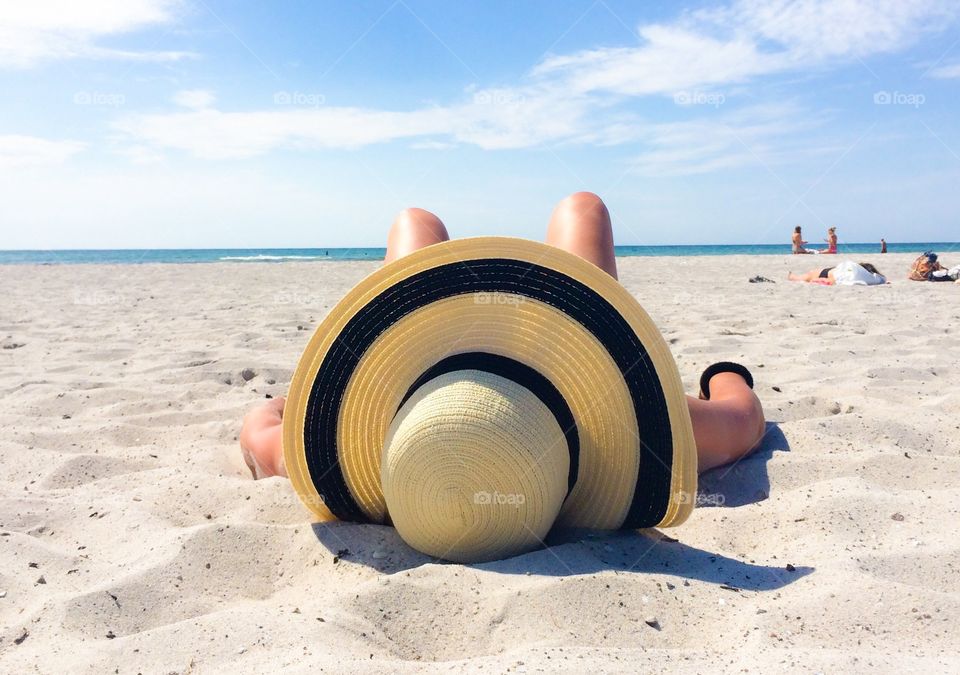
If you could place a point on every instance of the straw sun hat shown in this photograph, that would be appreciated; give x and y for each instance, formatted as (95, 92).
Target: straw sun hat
(478, 392)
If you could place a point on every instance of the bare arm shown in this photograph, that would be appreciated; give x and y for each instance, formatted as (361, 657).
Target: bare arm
(261, 441)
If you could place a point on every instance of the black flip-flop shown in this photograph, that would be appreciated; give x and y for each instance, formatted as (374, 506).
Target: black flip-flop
(722, 367)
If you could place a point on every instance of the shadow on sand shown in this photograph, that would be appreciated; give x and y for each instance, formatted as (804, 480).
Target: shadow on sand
(746, 481)
(567, 554)
(574, 552)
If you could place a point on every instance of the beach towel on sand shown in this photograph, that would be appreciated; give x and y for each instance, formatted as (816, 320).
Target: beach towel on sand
(849, 273)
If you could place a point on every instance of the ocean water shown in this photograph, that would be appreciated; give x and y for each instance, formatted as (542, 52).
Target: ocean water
(276, 255)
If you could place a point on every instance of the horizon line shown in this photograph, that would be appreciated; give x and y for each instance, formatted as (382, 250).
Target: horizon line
(344, 248)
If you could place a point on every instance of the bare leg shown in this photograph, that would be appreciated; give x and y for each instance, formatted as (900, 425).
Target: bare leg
(809, 276)
(581, 224)
(413, 229)
(260, 437)
(814, 276)
(731, 423)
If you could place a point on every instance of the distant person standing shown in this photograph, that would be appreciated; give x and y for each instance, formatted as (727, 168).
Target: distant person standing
(798, 242)
(831, 241)
(883, 245)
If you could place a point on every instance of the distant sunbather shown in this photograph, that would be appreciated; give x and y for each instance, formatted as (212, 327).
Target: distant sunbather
(847, 273)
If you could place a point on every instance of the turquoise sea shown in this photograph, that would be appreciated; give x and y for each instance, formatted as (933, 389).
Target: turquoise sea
(208, 255)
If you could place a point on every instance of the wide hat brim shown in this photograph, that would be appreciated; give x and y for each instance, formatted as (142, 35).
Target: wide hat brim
(556, 317)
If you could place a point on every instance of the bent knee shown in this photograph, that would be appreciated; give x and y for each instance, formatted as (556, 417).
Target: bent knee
(582, 201)
(414, 216)
(419, 224)
(414, 229)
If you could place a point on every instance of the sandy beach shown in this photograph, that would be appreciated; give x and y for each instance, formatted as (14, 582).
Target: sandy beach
(132, 538)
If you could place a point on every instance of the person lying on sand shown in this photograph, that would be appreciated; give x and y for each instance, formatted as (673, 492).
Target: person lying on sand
(847, 273)
(728, 419)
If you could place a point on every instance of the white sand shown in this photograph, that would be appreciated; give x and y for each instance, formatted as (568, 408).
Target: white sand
(133, 539)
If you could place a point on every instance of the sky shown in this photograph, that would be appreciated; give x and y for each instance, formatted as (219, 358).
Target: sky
(217, 124)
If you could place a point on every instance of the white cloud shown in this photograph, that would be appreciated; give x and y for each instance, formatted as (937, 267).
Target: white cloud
(672, 58)
(747, 39)
(489, 120)
(24, 151)
(812, 31)
(197, 99)
(42, 30)
(758, 136)
(213, 134)
(431, 145)
(579, 97)
(949, 71)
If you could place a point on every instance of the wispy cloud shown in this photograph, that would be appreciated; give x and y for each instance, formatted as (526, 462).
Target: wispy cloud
(760, 136)
(747, 39)
(197, 99)
(490, 119)
(24, 151)
(948, 71)
(44, 30)
(583, 97)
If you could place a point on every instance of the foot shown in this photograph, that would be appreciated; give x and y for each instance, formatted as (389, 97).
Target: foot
(260, 439)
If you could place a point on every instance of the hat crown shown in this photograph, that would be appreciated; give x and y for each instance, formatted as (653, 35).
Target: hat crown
(474, 467)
